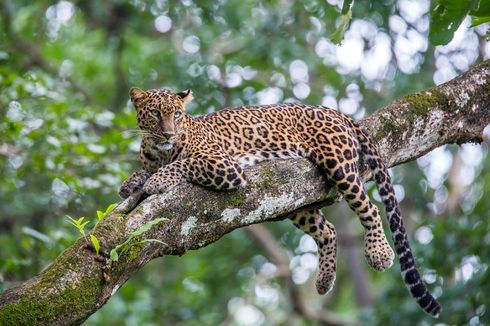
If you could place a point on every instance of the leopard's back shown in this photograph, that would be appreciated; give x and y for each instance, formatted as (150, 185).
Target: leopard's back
(255, 133)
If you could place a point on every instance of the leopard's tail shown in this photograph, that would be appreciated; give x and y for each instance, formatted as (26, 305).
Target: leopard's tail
(410, 274)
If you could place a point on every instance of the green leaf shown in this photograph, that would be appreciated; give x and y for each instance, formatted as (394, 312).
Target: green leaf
(142, 229)
(145, 227)
(96, 243)
(79, 224)
(337, 36)
(113, 255)
(109, 209)
(446, 17)
(73, 224)
(72, 221)
(482, 10)
(100, 215)
(479, 20)
(346, 6)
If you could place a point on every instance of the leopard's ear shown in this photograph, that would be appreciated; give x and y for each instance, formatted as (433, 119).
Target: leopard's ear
(185, 96)
(136, 94)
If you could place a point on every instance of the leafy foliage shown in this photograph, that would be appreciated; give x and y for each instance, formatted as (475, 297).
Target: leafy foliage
(338, 35)
(82, 222)
(446, 18)
(345, 18)
(448, 15)
(481, 14)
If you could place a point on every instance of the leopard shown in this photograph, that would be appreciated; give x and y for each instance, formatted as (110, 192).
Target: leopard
(213, 150)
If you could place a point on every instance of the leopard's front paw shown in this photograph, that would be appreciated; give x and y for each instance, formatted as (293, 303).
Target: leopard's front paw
(133, 183)
(125, 190)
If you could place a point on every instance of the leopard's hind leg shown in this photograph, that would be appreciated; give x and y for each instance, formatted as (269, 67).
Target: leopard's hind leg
(313, 223)
(376, 248)
(341, 166)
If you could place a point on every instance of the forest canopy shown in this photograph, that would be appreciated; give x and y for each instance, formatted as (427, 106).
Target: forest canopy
(69, 140)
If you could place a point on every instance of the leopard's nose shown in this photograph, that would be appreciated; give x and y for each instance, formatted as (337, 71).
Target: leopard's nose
(169, 134)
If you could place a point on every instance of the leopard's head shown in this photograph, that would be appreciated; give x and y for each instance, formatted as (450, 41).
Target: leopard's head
(160, 113)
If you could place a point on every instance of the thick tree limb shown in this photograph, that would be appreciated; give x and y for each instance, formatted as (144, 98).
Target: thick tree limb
(73, 286)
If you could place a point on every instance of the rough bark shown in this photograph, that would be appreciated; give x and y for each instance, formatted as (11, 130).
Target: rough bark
(73, 286)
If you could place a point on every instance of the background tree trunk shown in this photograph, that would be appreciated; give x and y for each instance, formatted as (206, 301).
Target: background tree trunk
(76, 285)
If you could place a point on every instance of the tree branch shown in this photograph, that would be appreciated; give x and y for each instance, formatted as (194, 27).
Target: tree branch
(73, 286)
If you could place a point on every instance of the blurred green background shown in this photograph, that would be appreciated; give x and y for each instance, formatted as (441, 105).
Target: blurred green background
(66, 144)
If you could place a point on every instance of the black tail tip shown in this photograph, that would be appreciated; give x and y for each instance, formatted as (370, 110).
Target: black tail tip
(434, 309)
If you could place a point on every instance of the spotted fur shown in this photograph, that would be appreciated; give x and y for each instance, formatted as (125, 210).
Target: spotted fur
(212, 151)
(323, 232)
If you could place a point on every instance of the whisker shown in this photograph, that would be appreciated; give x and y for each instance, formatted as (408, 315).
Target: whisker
(133, 132)
(157, 136)
(146, 133)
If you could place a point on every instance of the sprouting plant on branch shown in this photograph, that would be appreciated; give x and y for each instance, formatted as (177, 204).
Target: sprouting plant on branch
(82, 222)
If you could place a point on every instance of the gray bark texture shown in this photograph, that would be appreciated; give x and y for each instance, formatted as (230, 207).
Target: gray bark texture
(77, 284)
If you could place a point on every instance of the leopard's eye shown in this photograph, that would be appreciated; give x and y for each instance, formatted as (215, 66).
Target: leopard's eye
(177, 114)
(154, 114)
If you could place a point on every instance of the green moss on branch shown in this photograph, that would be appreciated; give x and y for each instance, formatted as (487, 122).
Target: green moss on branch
(422, 103)
(42, 307)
